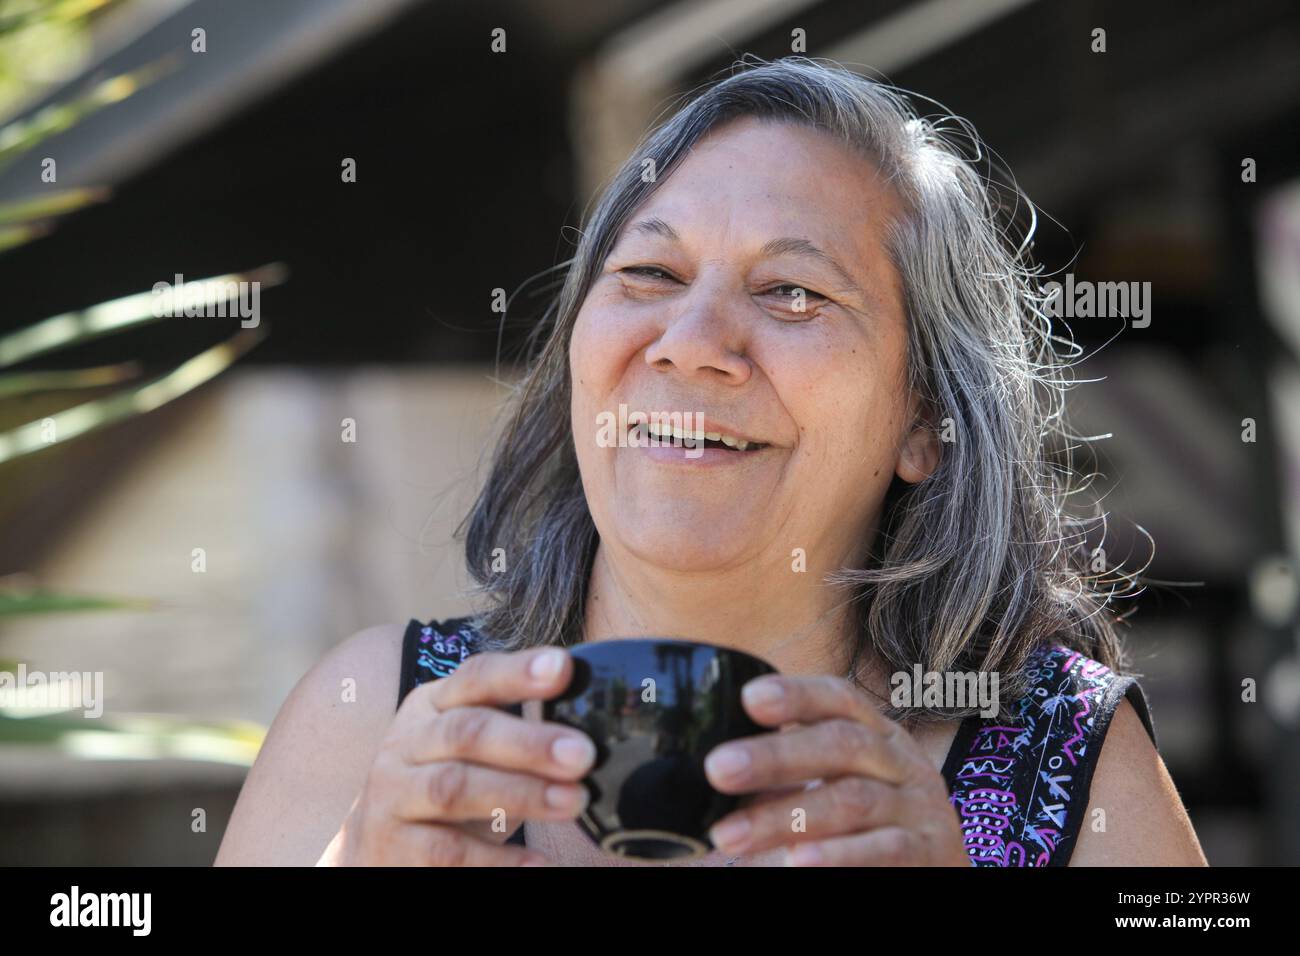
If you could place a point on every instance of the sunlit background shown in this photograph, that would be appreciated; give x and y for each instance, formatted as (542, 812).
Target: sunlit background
(220, 447)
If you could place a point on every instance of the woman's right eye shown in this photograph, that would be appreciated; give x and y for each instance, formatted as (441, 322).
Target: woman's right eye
(648, 272)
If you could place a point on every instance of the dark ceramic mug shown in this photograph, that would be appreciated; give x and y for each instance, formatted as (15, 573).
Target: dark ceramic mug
(655, 708)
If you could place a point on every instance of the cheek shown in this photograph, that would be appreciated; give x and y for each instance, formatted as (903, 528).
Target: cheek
(586, 387)
(601, 348)
(604, 341)
(846, 393)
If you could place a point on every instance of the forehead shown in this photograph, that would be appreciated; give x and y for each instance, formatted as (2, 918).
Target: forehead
(754, 176)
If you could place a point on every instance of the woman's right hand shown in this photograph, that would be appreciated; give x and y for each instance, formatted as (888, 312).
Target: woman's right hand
(452, 763)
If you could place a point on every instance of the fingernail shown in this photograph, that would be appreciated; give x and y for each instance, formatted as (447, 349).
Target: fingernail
(546, 664)
(760, 693)
(573, 751)
(727, 761)
(732, 834)
(805, 854)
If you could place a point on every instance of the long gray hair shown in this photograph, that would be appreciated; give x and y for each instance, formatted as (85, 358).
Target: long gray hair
(974, 567)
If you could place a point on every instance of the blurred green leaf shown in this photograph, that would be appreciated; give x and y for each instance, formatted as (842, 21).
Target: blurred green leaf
(20, 135)
(90, 416)
(133, 736)
(47, 602)
(38, 12)
(76, 328)
(53, 204)
(13, 236)
(27, 383)
(34, 36)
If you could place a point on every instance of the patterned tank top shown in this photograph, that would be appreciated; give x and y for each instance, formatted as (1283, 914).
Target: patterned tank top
(1019, 786)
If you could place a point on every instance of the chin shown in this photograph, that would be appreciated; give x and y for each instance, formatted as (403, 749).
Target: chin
(684, 545)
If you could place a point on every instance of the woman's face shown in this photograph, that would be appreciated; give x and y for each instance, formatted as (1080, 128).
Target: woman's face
(698, 309)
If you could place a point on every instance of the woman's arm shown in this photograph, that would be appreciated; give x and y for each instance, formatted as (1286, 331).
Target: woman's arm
(317, 754)
(1145, 822)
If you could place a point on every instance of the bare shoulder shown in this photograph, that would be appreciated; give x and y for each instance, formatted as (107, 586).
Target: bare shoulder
(316, 754)
(1135, 816)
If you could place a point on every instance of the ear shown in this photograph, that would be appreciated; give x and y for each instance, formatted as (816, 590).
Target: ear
(919, 456)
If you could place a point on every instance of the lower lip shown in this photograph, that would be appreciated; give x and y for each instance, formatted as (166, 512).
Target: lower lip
(669, 454)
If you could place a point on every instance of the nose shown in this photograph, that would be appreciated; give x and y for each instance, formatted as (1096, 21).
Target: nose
(705, 337)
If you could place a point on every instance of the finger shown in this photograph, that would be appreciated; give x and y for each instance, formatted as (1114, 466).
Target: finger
(888, 846)
(775, 699)
(434, 845)
(495, 678)
(491, 832)
(831, 748)
(457, 792)
(493, 738)
(840, 806)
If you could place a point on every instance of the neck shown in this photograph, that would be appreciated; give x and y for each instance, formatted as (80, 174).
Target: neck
(791, 620)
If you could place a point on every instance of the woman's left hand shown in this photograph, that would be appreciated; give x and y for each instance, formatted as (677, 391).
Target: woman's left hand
(878, 800)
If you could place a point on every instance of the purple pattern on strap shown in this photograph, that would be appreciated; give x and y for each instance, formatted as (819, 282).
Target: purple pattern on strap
(442, 653)
(1014, 786)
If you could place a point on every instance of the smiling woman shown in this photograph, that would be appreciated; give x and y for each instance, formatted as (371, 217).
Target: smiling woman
(821, 275)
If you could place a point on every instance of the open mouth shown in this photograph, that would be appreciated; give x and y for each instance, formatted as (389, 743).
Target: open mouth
(666, 434)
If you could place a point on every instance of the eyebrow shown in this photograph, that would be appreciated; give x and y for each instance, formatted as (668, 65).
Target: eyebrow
(785, 246)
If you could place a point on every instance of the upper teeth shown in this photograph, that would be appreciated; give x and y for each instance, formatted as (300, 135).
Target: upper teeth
(669, 431)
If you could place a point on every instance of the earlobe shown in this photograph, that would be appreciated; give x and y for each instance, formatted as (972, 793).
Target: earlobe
(919, 456)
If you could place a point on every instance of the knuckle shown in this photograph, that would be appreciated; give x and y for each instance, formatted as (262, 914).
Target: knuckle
(846, 735)
(466, 730)
(854, 795)
(447, 785)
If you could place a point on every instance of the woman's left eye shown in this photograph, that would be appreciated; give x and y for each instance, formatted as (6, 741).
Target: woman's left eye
(795, 298)
(789, 290)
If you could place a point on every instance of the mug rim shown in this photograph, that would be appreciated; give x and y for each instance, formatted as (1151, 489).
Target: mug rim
(716, 648)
